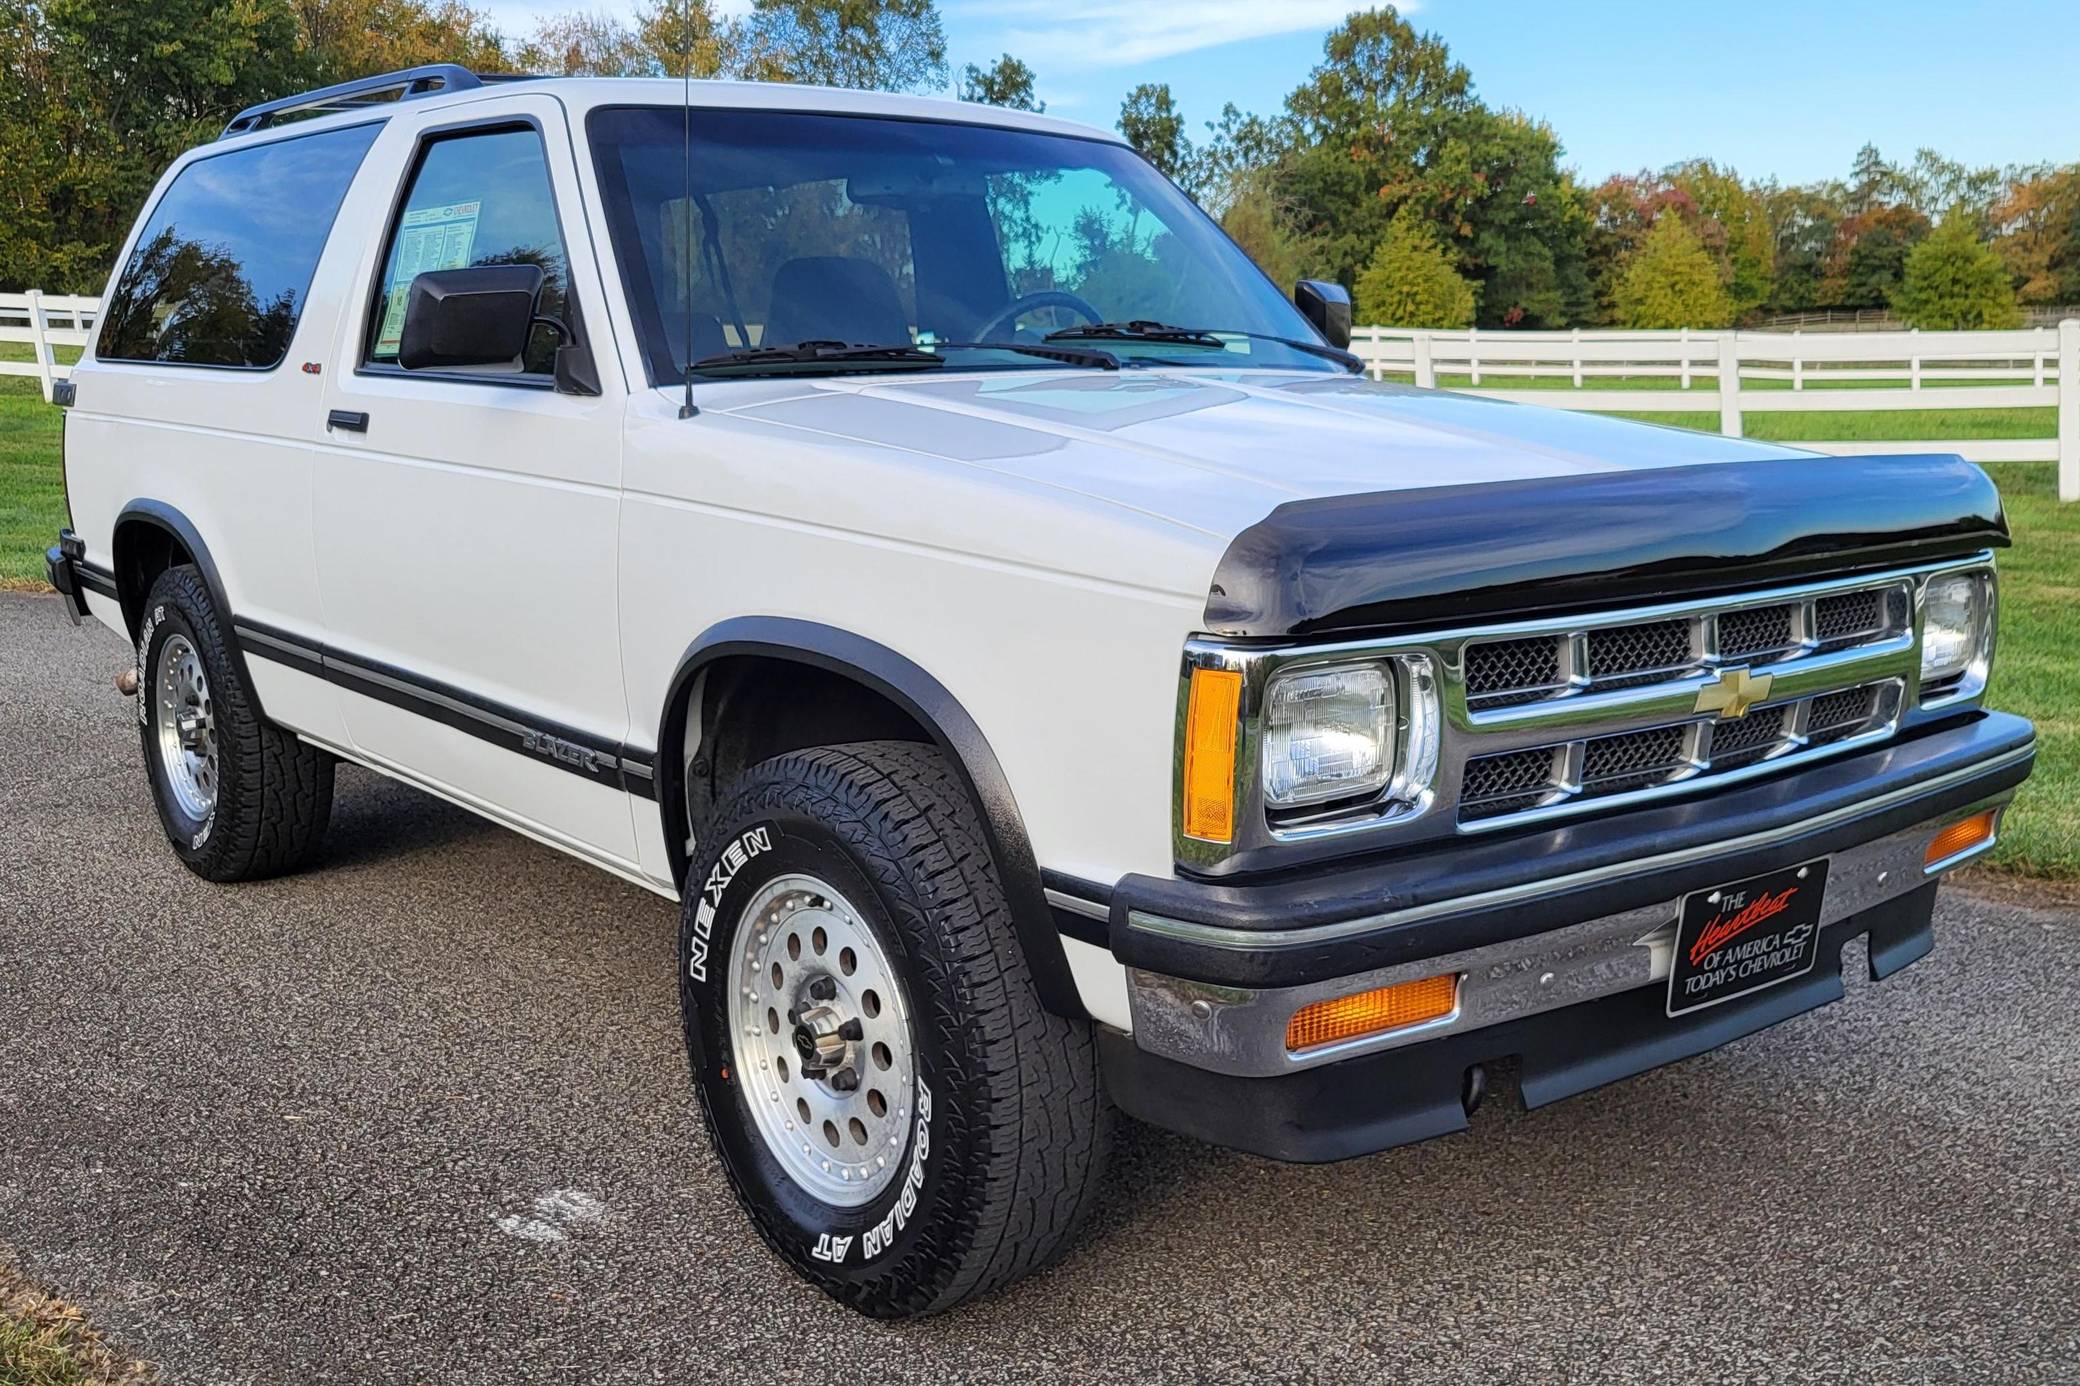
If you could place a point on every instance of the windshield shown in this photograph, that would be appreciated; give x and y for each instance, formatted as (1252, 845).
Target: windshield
(959, 239)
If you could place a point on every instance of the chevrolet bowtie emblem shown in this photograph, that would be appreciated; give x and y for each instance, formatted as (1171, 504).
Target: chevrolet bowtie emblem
(1733, 693)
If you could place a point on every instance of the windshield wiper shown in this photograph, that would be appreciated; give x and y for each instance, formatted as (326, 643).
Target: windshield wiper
(1141, 330)
(804, 358)
(1102, 360)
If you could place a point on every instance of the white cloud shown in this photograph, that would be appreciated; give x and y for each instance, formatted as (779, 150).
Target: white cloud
(1107, 33)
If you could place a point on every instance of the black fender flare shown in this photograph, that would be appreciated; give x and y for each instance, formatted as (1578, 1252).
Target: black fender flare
(906, 684)
(165, 517)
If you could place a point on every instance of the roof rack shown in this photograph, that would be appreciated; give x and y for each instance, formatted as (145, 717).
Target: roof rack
(345, 96)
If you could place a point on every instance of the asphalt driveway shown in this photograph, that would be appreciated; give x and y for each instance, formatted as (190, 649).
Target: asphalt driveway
(422, 1115)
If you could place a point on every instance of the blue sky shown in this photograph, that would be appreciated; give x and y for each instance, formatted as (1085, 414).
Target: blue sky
(1770, 86)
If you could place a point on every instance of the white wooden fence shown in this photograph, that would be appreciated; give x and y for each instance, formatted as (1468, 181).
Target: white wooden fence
(1730, 373)
(46, 322)
(1736, 373)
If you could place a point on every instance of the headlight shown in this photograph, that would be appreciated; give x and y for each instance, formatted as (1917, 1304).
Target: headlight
(1956, 631)
(1328, 734)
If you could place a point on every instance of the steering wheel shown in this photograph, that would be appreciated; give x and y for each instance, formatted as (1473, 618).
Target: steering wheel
(1006, 317)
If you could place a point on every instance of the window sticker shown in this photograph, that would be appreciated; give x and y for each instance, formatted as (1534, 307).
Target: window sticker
(431, 238)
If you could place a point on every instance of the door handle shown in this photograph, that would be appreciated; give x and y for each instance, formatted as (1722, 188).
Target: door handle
(353, 421)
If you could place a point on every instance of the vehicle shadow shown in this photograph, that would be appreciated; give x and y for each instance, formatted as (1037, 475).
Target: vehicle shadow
(377, 819)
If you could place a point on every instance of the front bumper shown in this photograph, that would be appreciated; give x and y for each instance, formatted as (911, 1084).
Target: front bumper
(1559, 939)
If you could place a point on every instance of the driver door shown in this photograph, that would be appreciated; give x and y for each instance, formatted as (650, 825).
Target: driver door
(467, 519)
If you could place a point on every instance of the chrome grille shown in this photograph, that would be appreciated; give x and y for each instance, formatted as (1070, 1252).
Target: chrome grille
(1679, 750)
(1633, 654)
(1847, 616)
(1505, 671)
(1633, 705)
(1758, 630)
(1518, 722)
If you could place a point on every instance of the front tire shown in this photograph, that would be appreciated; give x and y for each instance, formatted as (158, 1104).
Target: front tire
(903, 1122)
(238, 797)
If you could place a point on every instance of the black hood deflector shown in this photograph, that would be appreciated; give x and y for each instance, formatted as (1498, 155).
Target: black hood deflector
(1395, 560)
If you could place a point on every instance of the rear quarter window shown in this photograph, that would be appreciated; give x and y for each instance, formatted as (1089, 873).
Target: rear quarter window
(221, 269)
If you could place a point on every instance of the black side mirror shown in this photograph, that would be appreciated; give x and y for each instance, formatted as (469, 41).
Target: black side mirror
(1328, 307)
(480, 316)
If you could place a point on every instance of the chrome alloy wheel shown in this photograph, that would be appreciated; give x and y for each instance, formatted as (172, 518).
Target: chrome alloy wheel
(823, 1044)
(187, 728)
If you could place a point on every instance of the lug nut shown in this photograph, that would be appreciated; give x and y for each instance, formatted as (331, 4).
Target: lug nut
(823, 989)
(845, 1080)
(852, 1030)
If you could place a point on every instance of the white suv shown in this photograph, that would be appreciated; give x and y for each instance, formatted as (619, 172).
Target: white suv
(1048, 673)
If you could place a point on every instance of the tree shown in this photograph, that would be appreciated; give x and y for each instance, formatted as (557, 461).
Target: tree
(1006, 82)
(345, 39)
(1670, 281)
(875, 45)
(588, 43)
(1955, 280)
(1388, 120)
(2038, 222)
(1254, 221)
(1410, 281)
(1870, 255)
(1872, 182)
(100, 96)
(1149, 120)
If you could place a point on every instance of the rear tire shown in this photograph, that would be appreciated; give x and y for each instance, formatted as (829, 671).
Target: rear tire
(818, 868)
(239, 798)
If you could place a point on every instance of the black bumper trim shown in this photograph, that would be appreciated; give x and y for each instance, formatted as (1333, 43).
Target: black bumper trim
(1400, 1096)
(1470, 894)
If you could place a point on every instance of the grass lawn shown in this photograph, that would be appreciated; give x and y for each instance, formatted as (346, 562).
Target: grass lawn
(2035, 673)
(46, 1342)
(32, 493)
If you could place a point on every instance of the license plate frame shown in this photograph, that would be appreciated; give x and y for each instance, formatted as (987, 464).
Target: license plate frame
(1746, 936)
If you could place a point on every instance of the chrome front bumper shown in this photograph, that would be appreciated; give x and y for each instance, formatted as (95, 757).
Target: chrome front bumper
(1241, 1031)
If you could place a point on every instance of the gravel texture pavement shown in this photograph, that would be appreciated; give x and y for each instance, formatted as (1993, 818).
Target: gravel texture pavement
(422, 1115)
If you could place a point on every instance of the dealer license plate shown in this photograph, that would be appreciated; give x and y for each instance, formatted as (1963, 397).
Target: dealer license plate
(1746, 936)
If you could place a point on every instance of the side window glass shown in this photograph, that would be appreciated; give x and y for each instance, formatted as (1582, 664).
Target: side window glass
(475, 199)
(221, 268)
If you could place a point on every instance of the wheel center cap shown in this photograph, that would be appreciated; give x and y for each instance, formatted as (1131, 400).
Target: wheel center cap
(819, 1037)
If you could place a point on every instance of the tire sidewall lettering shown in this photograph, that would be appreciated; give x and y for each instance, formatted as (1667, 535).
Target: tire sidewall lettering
(846, 1240)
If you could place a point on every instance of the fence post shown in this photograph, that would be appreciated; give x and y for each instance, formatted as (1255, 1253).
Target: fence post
(1577, 358)
(1473, 354)
(1914, 362)
(1798, 361)
(38, 344)
(1426, 372)
(1684, 352)
(2069, 410)
(1729, 385)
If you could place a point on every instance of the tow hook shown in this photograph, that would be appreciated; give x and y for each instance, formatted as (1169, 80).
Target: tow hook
(1475, 1089)
(126, 683)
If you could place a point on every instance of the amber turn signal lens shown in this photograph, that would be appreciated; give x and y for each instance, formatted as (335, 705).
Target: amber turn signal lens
(1209, 754)
(1372, 1012)
(1975, 831)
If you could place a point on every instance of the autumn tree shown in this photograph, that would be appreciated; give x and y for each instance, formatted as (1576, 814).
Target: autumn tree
(875, 45)
(1006, 82)
(1954, 280)
(1670, 281)
(1411, 282)
(2038, 225)
(344, 39)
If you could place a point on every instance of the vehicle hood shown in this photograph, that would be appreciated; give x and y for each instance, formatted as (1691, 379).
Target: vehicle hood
(1217, 451)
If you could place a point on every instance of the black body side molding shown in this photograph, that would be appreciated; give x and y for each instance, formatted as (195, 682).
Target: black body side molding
(1517, 549)
(926, 700)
